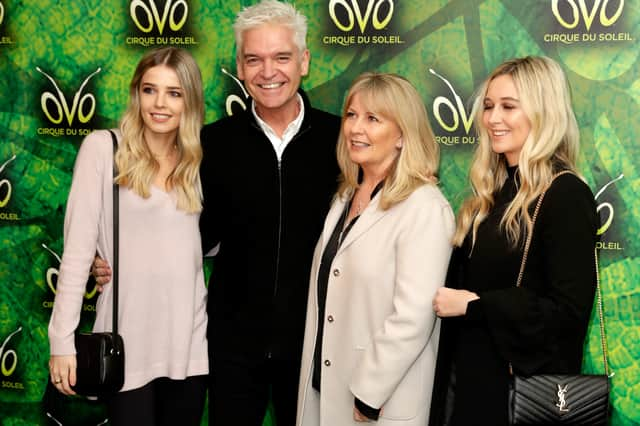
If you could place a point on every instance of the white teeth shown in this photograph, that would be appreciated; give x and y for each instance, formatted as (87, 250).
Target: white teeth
(499, 132)
(161, 116)
(271, 85)
(360, 144)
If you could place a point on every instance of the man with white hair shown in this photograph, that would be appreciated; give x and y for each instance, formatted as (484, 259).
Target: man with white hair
(268, 176)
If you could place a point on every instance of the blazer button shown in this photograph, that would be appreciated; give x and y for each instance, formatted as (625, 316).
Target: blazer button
(336, 272)
(330, 318)
(327, 362)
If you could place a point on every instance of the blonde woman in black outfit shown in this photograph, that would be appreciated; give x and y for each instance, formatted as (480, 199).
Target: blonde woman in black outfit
(527, 134)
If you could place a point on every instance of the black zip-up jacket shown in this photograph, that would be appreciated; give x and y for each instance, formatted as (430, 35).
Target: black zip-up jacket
(267, 216)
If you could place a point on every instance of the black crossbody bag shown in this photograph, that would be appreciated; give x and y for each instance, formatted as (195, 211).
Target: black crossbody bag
(100, 356)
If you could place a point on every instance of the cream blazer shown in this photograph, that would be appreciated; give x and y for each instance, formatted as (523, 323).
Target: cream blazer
(380, 333)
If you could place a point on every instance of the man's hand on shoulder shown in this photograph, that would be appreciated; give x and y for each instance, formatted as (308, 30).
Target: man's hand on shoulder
(101, 272)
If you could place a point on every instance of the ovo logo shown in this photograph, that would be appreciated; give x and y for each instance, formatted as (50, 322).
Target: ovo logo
(8, 357)
(579, 10)
(457, 111)
(51, 272)
(5, 183)
(60, 102)
(353, 14)
(233, 98)
(175, 12)
(607, 223)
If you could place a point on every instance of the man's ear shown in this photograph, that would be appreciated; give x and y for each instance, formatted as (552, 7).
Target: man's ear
(239, 68)
(304, 62)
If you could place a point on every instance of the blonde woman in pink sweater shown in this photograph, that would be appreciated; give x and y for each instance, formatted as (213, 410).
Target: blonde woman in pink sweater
(162, 301)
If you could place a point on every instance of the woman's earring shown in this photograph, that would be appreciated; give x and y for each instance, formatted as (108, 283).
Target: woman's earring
(399, 143)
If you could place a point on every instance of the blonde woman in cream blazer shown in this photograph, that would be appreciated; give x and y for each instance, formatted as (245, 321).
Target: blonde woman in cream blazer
(371, 334)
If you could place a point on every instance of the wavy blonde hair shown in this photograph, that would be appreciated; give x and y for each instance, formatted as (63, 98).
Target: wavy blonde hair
(394, 98)
(135, 161)
(552, 145)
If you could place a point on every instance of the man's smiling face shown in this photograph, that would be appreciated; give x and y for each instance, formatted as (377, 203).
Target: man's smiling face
(272, 67)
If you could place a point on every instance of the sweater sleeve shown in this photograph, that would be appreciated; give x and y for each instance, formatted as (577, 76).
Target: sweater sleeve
(554, 302)
(366, 410)
(81, 227)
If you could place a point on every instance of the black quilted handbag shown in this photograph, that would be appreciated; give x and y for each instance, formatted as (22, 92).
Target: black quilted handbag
(100, 356)
(556, 399)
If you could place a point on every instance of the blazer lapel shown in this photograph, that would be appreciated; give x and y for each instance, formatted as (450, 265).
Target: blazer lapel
(367, 219)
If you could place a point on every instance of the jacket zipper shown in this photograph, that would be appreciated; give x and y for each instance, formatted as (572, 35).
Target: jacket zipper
(275, 284)
(277, 277)
(277, 274)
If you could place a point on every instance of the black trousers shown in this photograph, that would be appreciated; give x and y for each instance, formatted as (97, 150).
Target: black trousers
(240, 389)
(161, 402)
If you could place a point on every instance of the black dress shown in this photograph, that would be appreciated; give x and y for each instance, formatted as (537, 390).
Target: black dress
(539, 327)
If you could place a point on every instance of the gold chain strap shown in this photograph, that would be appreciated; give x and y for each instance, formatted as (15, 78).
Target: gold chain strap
(525, 254)
(603, 339)
(527, 243)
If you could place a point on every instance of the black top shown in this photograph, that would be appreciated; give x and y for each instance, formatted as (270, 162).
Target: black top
(337, 236)
(267, 216)
(539, 327)
(331, 249)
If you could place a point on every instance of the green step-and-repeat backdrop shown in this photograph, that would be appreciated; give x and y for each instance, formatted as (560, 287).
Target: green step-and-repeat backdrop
(65, 66)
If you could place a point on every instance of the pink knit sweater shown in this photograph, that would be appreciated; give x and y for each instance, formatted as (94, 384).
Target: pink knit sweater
(162, 306)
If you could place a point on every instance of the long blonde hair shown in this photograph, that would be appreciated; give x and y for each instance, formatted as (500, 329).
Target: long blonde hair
(135, 161)
(393, 97)
(552, 145)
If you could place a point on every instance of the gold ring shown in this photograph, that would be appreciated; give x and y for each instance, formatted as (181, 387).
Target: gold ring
(57, 381)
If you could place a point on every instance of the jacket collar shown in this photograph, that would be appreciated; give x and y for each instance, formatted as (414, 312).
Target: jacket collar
(306, 120)
(371, 214)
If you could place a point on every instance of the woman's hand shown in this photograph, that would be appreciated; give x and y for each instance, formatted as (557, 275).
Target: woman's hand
(452, 303)
(359, 417)
(62, 369)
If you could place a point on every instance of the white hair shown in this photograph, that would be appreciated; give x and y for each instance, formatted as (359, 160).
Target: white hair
(271, 12)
